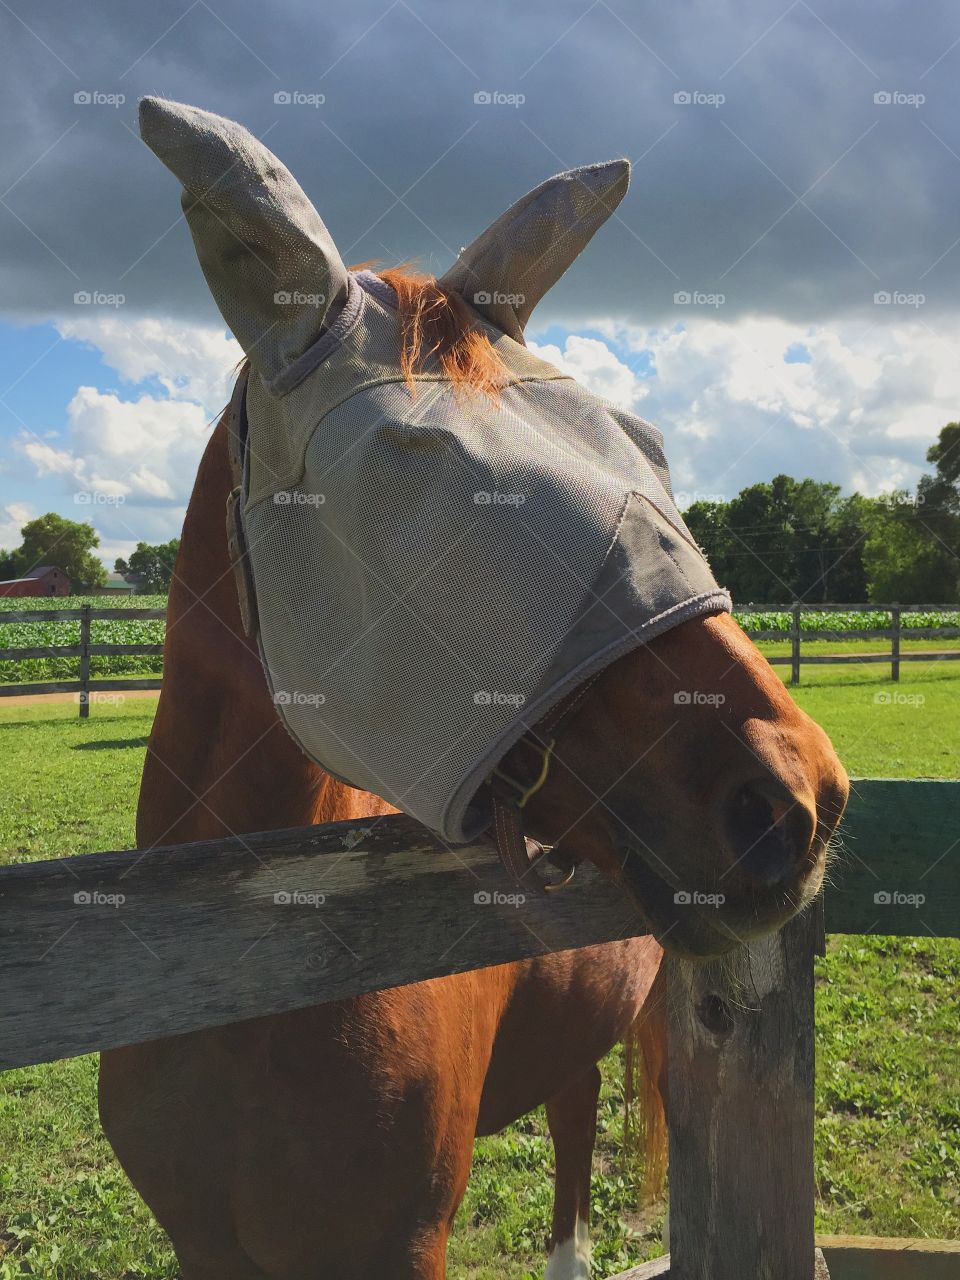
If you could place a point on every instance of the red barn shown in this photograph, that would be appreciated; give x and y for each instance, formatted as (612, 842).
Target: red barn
(46, 580)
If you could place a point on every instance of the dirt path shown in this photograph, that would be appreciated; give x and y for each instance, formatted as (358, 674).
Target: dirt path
(101, 699)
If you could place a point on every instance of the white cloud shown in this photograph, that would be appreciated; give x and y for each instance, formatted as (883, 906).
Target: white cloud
(597, 367)
(191, 362)
(13, 516)
(137, 457)
(862, 411)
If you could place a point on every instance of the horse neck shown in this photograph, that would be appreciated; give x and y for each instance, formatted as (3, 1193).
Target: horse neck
(219, 760)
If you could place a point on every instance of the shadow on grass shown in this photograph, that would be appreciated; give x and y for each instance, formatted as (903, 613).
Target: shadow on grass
(110, 744)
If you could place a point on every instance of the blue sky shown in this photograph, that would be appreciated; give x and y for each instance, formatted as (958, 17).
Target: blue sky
(777, 290)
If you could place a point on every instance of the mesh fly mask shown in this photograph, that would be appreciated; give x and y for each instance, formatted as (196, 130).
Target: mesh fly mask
(430, 575)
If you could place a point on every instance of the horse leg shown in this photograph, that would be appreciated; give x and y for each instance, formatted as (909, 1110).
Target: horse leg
(572, 1117)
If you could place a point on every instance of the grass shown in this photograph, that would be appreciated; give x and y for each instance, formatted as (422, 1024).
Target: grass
(887, 1149)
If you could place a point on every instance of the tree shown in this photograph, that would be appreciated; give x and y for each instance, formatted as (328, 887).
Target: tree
(65, 544)
(153, 564)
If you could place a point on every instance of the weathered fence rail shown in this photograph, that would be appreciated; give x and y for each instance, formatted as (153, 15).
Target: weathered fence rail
(84, 651)
(895, 634)
(116, 948)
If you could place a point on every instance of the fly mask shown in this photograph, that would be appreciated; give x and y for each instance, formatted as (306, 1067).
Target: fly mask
(435, 573)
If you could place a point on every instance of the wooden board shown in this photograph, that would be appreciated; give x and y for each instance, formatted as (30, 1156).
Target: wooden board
(198, 941)
(856, 1258)
(111, 949)
(900, 840)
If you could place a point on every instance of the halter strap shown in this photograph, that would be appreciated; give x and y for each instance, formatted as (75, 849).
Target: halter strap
(519, 853)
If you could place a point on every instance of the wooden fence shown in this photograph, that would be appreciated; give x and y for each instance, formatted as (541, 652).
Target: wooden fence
(117, 948)
(85, 650)
(895, 633)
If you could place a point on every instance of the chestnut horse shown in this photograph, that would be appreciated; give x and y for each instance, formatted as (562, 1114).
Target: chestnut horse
(335, 1142)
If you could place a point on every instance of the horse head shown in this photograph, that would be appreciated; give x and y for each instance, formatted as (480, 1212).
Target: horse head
(471, 589)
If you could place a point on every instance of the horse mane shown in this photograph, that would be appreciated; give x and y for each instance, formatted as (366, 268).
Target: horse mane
(438, 322)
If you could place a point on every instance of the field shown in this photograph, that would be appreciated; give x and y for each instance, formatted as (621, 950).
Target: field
(888, 1069)
(35, 635)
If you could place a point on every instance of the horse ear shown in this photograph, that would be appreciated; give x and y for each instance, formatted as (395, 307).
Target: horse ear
(506, 271)
(271, 264)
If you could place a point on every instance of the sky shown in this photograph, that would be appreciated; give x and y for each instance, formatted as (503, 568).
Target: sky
(778, 291)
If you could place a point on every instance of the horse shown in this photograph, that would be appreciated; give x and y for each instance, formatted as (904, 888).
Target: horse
(336, 1141)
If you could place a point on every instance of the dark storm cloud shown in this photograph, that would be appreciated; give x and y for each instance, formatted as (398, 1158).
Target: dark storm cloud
(798, 194)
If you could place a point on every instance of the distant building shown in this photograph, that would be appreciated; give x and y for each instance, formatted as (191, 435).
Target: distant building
(118, 584)
(45, 580)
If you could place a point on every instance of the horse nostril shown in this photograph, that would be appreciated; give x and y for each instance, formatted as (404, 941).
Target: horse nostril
(770, 832)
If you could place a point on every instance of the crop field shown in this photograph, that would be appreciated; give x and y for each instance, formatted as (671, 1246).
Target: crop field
(888, 1064)
(34, 635)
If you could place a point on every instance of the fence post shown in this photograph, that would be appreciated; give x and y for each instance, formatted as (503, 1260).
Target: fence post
(85, 662)
(795, 646)
(895, 643)
(741, 1055)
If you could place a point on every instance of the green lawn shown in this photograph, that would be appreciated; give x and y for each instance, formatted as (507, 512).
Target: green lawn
(888, 1154)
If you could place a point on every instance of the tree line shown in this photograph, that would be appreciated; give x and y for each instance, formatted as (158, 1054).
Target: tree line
(773, 543)
(804, 540)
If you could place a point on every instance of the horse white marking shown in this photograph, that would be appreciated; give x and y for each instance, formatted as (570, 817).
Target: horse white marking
(570, 1259)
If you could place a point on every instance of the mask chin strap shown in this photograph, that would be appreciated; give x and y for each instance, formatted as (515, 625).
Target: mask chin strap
(236, 542)
(519, 853)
